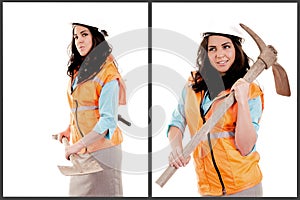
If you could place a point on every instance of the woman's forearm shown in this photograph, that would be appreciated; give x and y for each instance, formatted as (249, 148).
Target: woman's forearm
(175, 137)
(83, 143)
(245, 134)
(176, 157)
(91, 137)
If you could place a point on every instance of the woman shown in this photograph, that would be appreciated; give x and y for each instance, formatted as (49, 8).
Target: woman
(226, 161)
(95, 90)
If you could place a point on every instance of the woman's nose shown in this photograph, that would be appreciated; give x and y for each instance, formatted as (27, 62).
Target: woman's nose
(80, 39)
(220, 54)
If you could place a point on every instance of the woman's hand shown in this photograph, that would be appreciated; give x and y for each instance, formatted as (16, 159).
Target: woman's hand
(65, 133)
(176, 158)
(88, 139)
(241, 90)
(73, 149)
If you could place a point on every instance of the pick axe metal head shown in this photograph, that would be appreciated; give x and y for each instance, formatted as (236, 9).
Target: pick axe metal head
(280, 76)
(82, 164)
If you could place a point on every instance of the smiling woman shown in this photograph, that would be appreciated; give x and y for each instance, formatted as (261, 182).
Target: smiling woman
(226, 162)
(221, 53)
(270, 142)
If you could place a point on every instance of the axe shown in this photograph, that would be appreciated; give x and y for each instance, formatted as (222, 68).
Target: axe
(82, 164)
(267, 58)
(85, 163)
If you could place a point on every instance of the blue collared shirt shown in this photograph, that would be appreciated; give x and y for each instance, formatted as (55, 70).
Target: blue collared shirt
(108, 108)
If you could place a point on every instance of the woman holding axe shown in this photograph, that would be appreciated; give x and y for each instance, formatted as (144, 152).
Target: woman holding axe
(226, 160)
(95, 91)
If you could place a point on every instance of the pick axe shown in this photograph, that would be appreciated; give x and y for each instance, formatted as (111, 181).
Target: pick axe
(82, 164)
(267, 58)
(85, 163)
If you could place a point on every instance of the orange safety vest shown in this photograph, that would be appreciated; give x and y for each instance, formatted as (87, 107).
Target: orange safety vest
(84, 101)
(237, 172)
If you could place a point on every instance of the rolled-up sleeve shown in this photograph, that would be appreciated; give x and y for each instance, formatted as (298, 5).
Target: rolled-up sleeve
(255, 106)
(178, 116)
(108, 108)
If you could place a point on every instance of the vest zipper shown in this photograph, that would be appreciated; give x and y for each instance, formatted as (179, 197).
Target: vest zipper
(212, 153)
(77, 121)
(215, 165)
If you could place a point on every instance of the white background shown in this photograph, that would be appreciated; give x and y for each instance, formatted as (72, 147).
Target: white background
(36, 37)
(35, 40)
(276, 24)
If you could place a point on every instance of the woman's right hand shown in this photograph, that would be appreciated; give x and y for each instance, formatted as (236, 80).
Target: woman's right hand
(176, 158)
(65, 133)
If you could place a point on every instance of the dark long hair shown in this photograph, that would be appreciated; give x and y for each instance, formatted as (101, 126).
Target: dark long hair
(208, 78)
(103, 51)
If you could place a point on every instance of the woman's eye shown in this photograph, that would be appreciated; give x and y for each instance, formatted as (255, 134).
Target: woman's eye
(75, 37)
(226, 47)
(211, 49)
(84, 34)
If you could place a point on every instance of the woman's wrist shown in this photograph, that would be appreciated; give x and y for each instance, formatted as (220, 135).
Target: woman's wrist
(242, 106)
(81, 144)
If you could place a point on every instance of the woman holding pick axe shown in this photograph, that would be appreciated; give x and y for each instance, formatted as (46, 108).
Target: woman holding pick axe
(226, 160)
(95, 91)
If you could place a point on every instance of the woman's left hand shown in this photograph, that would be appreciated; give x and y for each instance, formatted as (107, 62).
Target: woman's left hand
(241, 90)
(73, 149)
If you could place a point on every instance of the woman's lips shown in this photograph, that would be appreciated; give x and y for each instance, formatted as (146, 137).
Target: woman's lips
(222, 63)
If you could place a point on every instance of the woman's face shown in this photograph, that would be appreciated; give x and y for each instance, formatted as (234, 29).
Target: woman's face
(83, 40)
(221, 52)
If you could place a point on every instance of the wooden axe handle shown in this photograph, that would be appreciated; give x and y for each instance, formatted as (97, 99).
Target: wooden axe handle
(55, 137)
(120, 118)
(65, 141)
(72, 156)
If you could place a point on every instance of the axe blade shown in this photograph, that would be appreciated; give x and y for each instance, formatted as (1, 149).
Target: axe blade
(281, 80)
(260, 43)
(280, 76)
(82, 166)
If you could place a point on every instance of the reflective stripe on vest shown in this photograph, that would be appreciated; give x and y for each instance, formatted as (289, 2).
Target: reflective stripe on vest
(96, 79)
(219, 135)
(81, 108)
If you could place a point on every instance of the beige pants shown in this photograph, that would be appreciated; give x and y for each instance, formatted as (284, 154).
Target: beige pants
(106, 183)
(255, 191)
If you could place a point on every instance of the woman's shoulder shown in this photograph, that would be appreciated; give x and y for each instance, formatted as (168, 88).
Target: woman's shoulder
(255, 90)
(109, 70)
(110, 63)
(110, 66)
